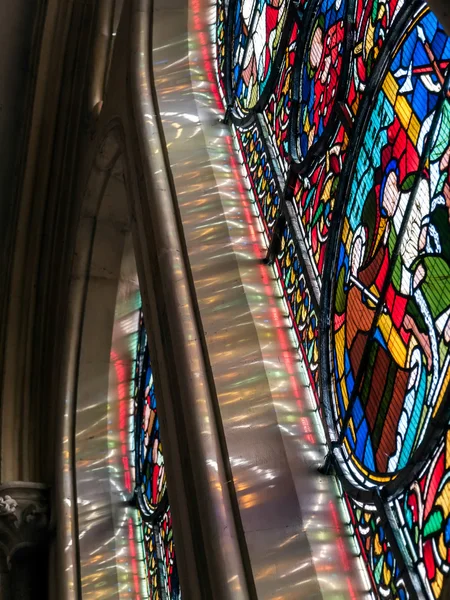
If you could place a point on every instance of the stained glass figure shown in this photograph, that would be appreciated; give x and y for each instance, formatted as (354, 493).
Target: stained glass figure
(316, 188)
(278, 108)
(319, 72)
(388, 334)
(151, 484)
(264, 36)
(150, 473)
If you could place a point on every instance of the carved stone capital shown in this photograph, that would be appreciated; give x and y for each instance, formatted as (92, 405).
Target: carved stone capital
(24, 517)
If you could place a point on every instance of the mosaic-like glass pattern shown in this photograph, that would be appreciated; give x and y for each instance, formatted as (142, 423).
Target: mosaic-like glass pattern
(152, 562)
(278, 108)
(320, 71)
(386, 307)
(150, 473)
(373, 21)
(423, 515)
(315, 195)
(267, 22)
(300, 303)
(241, 29)
(377, 551)
(220, 46)
(169, 557)
(151, 484)
(260, 174)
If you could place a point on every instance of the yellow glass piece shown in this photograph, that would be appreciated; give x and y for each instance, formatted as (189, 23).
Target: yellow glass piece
(442, 548)
(442, 392)
(390, 88)
(386, 574)
(414, 129)
(315, 353)
(436, 585)
(447, 450)
(377, 546)
(404, 111)
(358, 49)
(306, 124)
(352, 429)
(393, 340)
(339, 342)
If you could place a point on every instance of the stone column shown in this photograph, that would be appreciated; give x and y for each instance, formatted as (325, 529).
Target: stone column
(24, 536)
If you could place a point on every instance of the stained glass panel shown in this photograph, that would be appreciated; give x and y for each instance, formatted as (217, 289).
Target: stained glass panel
(373, 21)
(150, 472)
(220, 45)
(151, 484)
(377, 551)
(168, 547)
(315, 195)
(152, 562)
(278, 108)
(320, 70)
(423, 515)
(260, 174)
(375, 297)
(301, 308)
(266, 28)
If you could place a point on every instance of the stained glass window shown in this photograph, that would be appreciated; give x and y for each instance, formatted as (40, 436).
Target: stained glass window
(261, 174)
(264, 36)
(377, 551)
(278, 108)
(303, 313)
(346, 145)
(388, 349)
(150, 482)
(319, 72)
(423, 516)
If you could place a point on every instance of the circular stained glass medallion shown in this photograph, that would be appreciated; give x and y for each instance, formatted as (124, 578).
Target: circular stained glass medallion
(390, 305)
